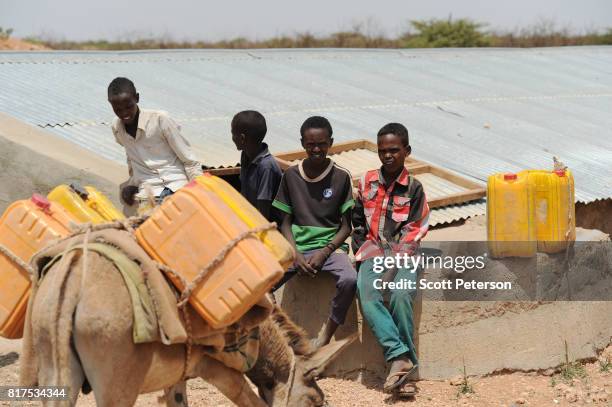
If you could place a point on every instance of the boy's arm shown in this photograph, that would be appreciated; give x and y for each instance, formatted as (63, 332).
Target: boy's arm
(318, 259)
(269, 178)
(282, 202)
(264, 207)
(129, 188)
(418, 219)
(359, 221)
(343, 233)
(181, 147)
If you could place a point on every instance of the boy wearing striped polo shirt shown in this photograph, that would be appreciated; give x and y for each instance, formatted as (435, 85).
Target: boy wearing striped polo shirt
(316, 197)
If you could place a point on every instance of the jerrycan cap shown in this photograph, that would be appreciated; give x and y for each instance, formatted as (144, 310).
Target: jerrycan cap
(40, 201)
(560, 173)
(510, 176)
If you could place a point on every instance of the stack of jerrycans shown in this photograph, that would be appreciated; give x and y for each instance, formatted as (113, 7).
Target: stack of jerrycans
(25, 227)
(86, 204)
(530, 211)
(189, 229)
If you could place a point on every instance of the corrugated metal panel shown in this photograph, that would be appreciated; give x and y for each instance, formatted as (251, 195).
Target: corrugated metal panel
(454, 213)
(473, 111)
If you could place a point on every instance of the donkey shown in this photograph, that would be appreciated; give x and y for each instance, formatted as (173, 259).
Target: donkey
(79, 332)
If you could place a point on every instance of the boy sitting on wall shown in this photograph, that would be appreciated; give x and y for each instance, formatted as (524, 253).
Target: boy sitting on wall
(316, 197)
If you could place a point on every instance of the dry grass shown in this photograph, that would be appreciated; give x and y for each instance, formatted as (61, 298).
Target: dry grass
(422, 34)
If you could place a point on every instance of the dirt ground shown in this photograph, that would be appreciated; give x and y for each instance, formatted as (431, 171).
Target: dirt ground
(592, 385)
(15, 44)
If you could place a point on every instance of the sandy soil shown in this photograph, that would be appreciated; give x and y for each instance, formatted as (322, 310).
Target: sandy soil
(15, 44)
(504, 390)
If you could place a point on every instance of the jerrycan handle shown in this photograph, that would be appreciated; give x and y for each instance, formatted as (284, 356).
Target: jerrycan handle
(42, 203)
(80, 191)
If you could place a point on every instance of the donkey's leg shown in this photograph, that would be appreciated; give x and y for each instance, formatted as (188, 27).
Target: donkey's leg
(230, 382)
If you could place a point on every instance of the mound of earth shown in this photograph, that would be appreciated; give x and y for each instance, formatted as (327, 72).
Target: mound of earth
(15, 44)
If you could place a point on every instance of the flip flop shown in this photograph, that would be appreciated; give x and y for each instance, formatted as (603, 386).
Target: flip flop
(403, 378)
(406, 391)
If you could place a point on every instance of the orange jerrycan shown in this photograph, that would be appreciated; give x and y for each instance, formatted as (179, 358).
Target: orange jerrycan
(510, 216)
(86, 204)
(26, 227)
(187, 231)
(554, 207)
(274, 241)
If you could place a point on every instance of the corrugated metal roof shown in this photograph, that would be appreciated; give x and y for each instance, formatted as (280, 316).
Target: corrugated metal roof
(473, 111)
(360, 160)
(452, 213)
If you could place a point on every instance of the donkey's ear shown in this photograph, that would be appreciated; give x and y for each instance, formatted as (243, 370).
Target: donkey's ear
(316, 363)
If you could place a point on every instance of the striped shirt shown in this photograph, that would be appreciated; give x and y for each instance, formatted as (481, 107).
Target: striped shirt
(315, 204)
(388, 219)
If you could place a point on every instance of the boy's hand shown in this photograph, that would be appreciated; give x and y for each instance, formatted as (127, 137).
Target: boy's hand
(303, 267)
(127, 194)
(317, 260)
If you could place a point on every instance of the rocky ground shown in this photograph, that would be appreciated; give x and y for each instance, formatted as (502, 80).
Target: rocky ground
(576, 385)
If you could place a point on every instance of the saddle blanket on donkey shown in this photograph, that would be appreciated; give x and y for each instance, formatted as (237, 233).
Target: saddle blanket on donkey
(156, 316)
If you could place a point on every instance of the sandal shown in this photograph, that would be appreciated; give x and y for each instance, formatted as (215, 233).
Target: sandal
(403, 375)
(408, 390)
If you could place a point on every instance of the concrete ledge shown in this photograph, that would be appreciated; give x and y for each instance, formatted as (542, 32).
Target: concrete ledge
(489, 336)
(32, 160)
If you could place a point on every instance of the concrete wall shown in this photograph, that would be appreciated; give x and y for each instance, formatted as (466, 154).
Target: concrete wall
(487, 336)
(32, 160)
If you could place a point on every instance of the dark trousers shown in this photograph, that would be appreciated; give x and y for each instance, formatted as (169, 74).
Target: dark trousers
(341, 269)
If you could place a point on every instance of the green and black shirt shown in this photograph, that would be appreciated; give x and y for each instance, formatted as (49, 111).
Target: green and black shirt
(317, 204)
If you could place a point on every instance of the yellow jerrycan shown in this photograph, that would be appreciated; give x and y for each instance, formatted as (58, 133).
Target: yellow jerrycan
(103, 206)
(25, 227)
(273, 240)
(187, 231)
(67, 197)
(510, 216)
(86, 204)
(554, 208)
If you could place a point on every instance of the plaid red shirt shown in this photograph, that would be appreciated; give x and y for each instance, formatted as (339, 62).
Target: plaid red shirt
(388, 219)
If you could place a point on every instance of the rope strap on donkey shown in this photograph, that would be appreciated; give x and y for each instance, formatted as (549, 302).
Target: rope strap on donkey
(190, 286)
(13, 257)
(129, 225)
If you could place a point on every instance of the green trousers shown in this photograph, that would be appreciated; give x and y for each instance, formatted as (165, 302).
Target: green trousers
(388, 312)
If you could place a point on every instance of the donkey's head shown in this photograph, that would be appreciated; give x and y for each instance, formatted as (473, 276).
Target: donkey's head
(288, 367)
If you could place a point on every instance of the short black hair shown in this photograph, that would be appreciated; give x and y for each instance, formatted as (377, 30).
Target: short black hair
(316, 122)
(397, 129)
(121, 85)
(251, 123)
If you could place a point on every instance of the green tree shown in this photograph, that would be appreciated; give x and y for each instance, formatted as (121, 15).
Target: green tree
(5, 34)
(437, 33)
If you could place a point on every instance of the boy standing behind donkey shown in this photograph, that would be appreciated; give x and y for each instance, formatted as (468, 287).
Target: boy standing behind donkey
(260, 175)
(158, 156)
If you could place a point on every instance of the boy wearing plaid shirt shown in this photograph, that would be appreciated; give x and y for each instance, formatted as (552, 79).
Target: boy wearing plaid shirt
(390, 217)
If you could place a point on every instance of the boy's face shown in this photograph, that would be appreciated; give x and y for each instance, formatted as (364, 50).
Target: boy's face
(316, 142)
(239, 140)
(125, 106)
(392, 153)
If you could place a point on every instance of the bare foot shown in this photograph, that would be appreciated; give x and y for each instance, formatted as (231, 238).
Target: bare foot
(326, 334)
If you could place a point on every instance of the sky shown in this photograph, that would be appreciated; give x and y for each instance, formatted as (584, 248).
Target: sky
(260, 19)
